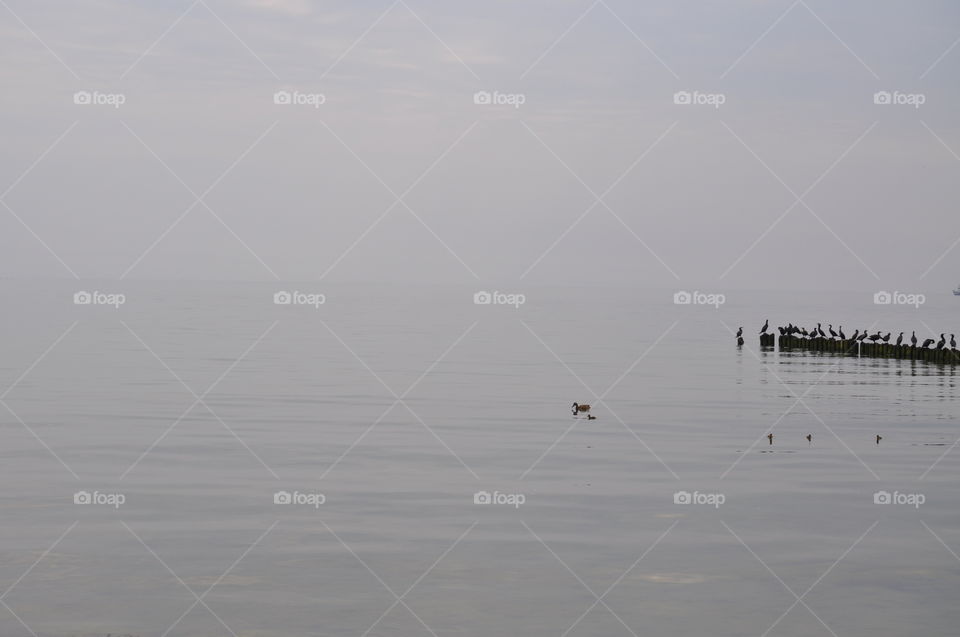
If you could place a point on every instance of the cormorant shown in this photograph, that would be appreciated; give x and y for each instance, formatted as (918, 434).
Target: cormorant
(740, 332)
(770, 438)
(766, 324)
(953, 342)
(900, 338)
(843, 336)
(830, 329)
(886, 339)
(913, 338)
(941, 342)
(927, 343)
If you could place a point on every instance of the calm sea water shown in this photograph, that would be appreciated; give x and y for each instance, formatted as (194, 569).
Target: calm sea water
(198, 403)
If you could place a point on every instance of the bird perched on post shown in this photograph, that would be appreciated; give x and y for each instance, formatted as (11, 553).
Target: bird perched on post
(953, 342)
(830, 329)
(740, 332)
(941, 342)
(766, 324)
(913, 338)
(900, 338)
(855, 335)
(886, 339)
(927, 343)
(810, 439)
(879, 438)
(770, 438)
(843, 336)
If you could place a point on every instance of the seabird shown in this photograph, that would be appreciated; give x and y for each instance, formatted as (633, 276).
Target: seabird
(863, 336)
(739, 341)
(855, 335)
(900, 338)
(810, 438)
(591, 417)
(766, 324)
(927, 343)
(843, 336)
(879, 438)
(953, 342)
(886, 339)
(770, 438)
(740, 332)
(830, 329)
(913, 338)
(820, 331)
(941, 342)
(875, 337)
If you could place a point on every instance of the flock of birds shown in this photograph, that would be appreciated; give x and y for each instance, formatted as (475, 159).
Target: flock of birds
(817, 332)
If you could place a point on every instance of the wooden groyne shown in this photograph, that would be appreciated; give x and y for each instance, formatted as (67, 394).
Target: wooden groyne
(859, 348)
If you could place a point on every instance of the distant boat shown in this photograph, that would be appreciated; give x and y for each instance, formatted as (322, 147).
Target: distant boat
(956, 292)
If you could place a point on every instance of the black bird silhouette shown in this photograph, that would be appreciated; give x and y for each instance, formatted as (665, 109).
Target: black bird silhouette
(927, 343)
(900, 338)
(953, 342)
(803, 331)
(886, 339)
(820, 331)
(941, 342)
(739, 341)
(879, 438)
(843, 336)
(770, 438)
(783, 331)
(766, 324)
(875, 337)
(913, 338)
(863, 336)
(740, 332)
(830, 329)
(810, 438)
(855, 335)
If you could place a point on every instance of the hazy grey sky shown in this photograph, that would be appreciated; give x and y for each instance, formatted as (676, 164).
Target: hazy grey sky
(691, 195)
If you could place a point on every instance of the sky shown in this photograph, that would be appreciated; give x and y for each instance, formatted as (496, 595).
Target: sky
(588, 167)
